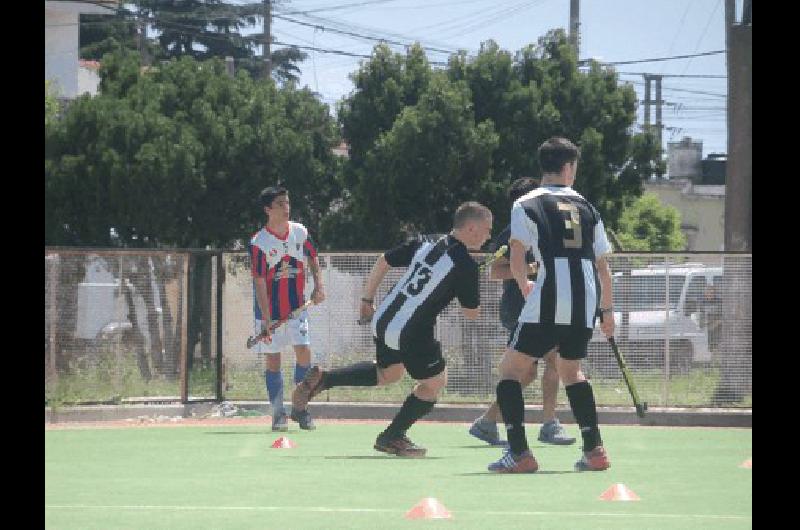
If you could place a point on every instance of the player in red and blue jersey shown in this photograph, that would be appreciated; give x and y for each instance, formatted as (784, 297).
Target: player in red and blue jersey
(278, 254)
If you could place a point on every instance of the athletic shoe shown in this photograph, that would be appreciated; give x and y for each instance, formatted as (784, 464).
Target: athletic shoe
(280, 422)
(553, 432)
(303, 417)
(400, 446)
(509, 463)
(594, 460)
(311, 385)
(486, 431)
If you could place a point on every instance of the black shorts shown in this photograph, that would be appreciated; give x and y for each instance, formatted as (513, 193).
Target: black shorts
(538, 339)
(421, 361)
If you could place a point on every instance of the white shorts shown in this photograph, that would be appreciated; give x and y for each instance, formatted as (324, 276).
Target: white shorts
(294, 332)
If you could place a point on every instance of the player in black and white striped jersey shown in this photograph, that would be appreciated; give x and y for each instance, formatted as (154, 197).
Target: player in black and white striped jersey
(568, 240)
(438, 270)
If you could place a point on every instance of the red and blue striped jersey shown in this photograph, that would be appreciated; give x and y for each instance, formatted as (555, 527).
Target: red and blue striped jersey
(280, 260)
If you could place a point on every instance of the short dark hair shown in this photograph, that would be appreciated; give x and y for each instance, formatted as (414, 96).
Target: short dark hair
(521, 186)
(470, 211)
(269, 194)
(555, 152)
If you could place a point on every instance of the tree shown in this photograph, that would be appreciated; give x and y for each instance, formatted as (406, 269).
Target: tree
(102, 34)
(433, 158)
(522, 98)
(648, 225)
(203, 29)
(51, 106)
(177, 156)
(540, 93)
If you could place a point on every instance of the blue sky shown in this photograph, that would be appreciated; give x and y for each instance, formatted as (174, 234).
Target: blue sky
(611, 30)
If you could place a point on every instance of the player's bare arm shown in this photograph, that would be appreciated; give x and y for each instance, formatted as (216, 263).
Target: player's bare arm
(519, 267)
(318, 295)
(606, 296)
(263, 300)
(376, 275)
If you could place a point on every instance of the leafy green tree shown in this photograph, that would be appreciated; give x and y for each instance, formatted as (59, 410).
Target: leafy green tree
(177, 155)
(649, 225)
(51, 106)
(201, 29)
(433, 158)
(522, 98)
(213, 28)
(102, 34)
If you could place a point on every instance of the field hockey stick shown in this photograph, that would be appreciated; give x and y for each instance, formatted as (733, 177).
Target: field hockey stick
(251, 341)
(641, 406)
(492, 258)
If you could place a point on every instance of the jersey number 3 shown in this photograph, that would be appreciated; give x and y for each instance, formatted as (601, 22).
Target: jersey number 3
(572, 221)
(420, 276)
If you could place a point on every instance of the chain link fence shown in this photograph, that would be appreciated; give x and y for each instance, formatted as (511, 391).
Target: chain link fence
(128, 325)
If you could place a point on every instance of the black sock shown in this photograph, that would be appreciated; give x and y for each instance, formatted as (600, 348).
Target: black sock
(581, 400)
(413, 409)
(359, 374)
(512, 407)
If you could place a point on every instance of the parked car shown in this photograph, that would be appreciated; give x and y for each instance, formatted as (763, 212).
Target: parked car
(653, 308)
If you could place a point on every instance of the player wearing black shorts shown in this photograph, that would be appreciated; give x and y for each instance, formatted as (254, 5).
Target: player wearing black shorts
(567, 236)
(437, 271)
(511, 301)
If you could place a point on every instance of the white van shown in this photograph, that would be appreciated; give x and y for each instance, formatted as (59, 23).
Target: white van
(651, 306)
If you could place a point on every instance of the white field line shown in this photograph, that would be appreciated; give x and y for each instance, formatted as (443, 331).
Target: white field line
(382, 510)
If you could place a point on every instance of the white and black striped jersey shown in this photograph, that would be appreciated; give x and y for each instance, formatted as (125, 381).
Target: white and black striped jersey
(566, 235)
(438, 271)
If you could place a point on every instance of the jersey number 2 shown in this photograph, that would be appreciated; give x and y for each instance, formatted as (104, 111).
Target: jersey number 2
(571, 221)
(420, 276)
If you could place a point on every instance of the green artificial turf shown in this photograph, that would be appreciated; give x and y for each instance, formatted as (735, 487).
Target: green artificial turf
(229, 477)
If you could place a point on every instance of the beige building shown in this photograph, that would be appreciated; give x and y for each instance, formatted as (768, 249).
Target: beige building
(702, 209)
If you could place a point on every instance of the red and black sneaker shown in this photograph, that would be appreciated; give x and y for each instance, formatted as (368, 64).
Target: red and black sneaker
(399, 445)
(311, 385)
(594, 460)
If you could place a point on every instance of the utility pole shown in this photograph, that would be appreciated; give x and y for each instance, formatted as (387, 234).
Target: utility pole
(739, 167)
(646, 102)
(267, 38)
(648, 78)
(574, 25)
(659, 124)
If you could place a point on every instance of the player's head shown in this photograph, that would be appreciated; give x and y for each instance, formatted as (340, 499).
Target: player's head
(472, 224)
(275, 201)
(520, 187)
(559, 157)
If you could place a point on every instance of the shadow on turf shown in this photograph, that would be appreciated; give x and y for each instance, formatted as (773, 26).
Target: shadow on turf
(379, 457)
(234, 432)
(481, 473)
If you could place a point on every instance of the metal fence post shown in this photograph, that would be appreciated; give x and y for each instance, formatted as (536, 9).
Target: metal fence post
(184, 376)
(219, 363)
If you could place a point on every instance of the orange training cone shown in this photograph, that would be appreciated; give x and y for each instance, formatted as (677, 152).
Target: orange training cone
(283, 443)
(747, 464)
(428, 508)
(619, 492)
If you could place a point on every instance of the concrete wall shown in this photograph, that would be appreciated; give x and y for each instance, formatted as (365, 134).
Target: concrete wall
(88, 80)
(61, 30)
(702, 210)
(61, 50)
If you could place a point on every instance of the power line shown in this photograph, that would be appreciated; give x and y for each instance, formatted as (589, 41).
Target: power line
(685, 90)
(700, 40)
(657, 59)
(336, 8)
(360, 36)
(698, 76)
